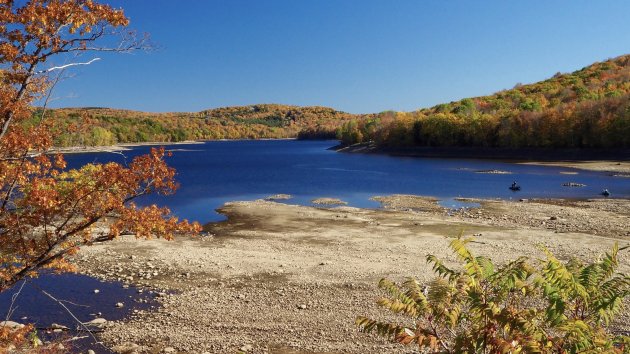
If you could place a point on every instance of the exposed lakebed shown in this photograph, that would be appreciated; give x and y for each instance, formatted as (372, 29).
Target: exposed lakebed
(214, 173)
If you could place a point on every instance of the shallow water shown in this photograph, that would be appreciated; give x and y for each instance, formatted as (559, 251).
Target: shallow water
(76, 291)
(452, 203)
(215, 172)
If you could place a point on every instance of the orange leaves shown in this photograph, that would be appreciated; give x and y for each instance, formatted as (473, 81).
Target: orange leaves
(11, 336)
(152, 221)
(53, 212)
(46, 212)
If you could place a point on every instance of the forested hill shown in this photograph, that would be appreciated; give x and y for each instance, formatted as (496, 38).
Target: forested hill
(104, 126)
(589, 108)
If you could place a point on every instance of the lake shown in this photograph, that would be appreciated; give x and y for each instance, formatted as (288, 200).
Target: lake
(212, 173)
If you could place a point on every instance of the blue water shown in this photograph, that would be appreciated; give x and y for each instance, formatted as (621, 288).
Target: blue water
(215, 172)
(76, 291)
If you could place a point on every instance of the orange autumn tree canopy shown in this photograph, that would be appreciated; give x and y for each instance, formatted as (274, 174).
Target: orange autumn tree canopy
(47, 211)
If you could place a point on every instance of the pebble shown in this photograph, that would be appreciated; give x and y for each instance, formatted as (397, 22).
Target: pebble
(246, 348)
(59, 327)
(120, 304)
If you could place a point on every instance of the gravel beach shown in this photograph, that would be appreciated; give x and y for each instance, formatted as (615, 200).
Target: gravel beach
(278, 278)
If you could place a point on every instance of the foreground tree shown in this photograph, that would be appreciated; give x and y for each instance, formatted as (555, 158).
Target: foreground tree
(555, 307)
(46, 211)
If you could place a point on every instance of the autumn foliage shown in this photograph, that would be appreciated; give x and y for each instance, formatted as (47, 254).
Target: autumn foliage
(523, 306)
(47, 211)
(589, 108)
(103, 126)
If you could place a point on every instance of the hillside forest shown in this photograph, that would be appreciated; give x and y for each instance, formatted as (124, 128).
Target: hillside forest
(589, 108)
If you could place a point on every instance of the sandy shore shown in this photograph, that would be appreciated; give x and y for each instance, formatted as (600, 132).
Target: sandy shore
(277, 278)
(117, 147)
(620, 168)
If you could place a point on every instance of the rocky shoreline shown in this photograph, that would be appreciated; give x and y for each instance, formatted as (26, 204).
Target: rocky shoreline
(279, 278)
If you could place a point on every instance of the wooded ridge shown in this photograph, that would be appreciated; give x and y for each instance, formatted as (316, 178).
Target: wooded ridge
(589, 108)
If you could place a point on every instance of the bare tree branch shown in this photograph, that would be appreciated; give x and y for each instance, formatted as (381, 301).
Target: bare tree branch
(62, 67)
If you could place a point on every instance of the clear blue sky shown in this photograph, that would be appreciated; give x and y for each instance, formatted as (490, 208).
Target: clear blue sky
(354, 55)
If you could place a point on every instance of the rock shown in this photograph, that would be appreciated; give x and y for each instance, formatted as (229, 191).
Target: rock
(91, 352)
(246, 348)
(328, 201)
(494, 172)
(573, 184)
(241, 296)
(169, 350)
(120, 305)
(58, 326)
(96, 291)
(278, 197)
(127, 348)
(301, 307)
(11, 324)
(553, 218)
(96, 322)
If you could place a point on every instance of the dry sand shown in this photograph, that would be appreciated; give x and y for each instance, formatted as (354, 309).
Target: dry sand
(277, 278)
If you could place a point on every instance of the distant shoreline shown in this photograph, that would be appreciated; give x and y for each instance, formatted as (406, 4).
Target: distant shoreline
(607, 160)
(128, 146)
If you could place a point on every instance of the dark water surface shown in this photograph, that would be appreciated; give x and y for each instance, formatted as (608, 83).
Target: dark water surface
(215, 172)
(76, 291)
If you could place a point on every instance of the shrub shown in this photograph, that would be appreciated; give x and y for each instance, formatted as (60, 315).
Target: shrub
(553, 307)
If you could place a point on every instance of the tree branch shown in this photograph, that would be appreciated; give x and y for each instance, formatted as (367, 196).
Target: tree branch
(62, 67)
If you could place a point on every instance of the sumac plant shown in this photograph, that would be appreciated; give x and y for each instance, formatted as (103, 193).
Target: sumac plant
(547, 306)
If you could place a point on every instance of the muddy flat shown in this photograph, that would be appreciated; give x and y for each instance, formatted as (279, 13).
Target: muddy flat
(278, 278)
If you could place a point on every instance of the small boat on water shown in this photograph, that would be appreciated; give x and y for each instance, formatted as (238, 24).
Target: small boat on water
(605, 193)
(515, 187)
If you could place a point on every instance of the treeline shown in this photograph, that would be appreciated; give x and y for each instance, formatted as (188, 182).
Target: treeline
(589, 108)
(103, 126)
